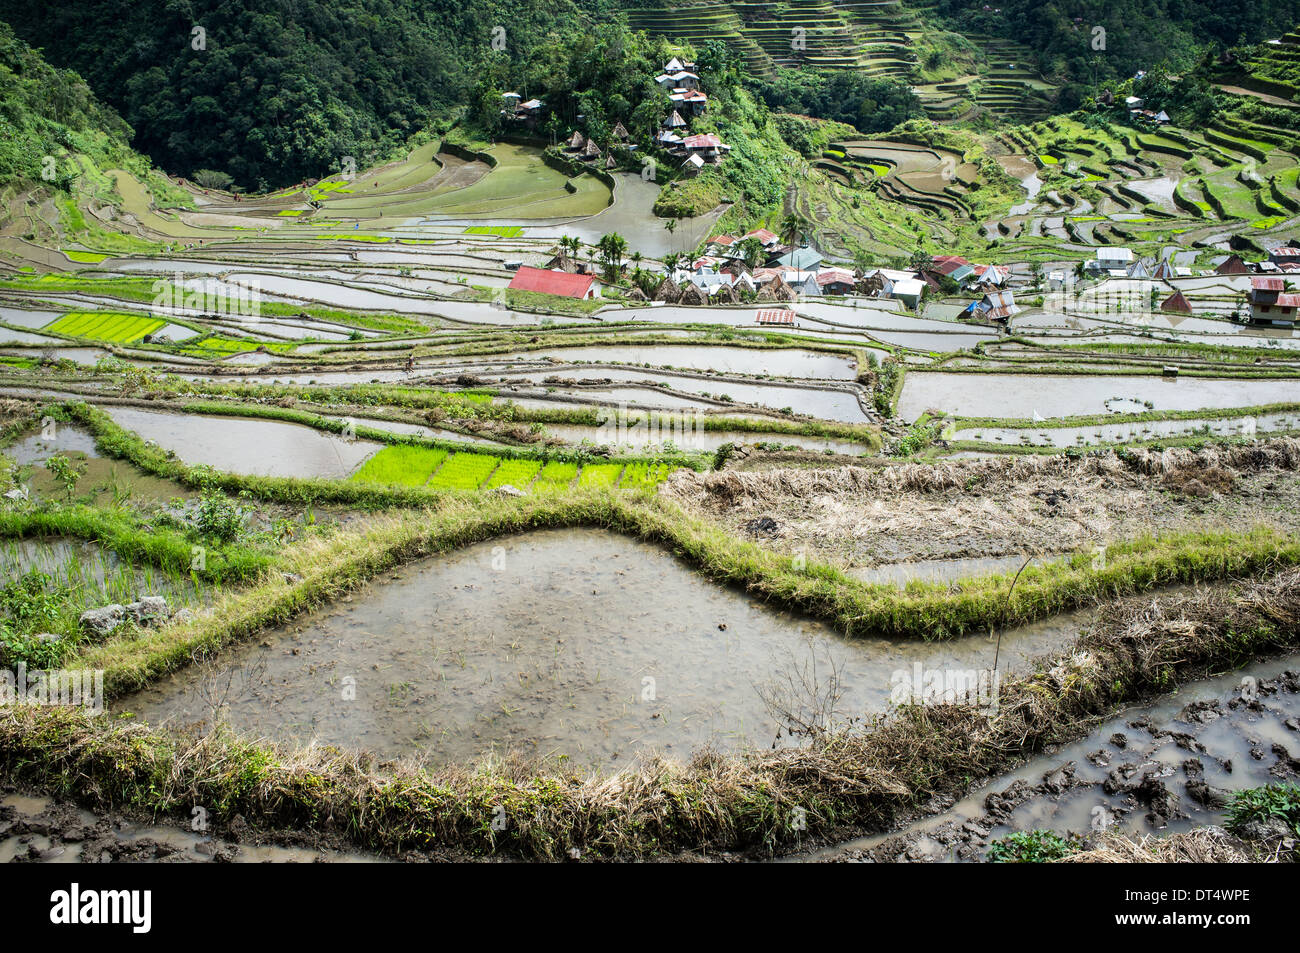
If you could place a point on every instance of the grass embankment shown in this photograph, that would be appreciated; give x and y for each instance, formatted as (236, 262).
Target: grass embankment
(479, 404)
(864, 778)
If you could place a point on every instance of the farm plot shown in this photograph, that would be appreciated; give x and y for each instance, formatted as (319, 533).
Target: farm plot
(401, 466)
(116, 327)
(464, 471)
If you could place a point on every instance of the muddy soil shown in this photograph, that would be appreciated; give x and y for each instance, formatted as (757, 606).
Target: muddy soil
(39, 829)
(975, 512)
(1162, 768)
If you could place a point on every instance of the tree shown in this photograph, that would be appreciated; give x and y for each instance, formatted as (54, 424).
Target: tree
(794, 228)
(752, 251)
(213, 179)
(612, 248)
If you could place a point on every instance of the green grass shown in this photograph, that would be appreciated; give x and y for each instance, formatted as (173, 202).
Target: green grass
(113, 326)
(400, 465)
(464, 471)
(516, 473)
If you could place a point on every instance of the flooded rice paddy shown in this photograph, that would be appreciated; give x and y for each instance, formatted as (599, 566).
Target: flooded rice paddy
(245, 445)
(570, 643)
(1021, 396)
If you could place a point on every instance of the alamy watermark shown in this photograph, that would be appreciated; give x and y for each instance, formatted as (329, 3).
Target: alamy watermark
(617, 427)
(920, 685)
(64, 688)
(242, 302)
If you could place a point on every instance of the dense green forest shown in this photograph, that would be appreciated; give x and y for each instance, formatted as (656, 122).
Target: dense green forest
(46, 115)
(1083, 42)
(274, 91)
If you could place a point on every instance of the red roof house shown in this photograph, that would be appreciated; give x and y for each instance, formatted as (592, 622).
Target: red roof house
(554, 283)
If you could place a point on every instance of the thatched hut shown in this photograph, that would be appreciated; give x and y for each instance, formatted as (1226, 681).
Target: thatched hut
(620, 132)
(576, 142)
(636, 294)
(692, 295)
(668, 291)
(782, 291)
(590, 152)
(1176, 303)
(765, 293)
(725, 295)
(872, 284)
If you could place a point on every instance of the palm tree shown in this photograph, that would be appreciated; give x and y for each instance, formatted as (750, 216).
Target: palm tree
(793, 228)
(612, 247)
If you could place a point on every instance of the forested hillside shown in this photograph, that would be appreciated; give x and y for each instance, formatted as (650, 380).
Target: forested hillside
(1138, 34)
(279, 90)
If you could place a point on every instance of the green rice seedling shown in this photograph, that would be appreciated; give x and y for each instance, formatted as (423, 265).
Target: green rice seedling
(464, 471)
(556, 475)
(517, 473)
(400, 465)
(600, 474)
(641, 475)
(113, 326)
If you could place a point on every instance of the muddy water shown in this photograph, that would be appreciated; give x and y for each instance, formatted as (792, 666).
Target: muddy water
(580, 644)
(244, 445)
(105, 479)
(825, 404)
(1238, 743)
(1123, 433)
(92, 571)
(1020, 396)
(725, 360)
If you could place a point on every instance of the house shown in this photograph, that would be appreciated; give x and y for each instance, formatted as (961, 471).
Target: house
(710, 282)
(560, 283)
(804, 283)
(952, 266)
(706, 145)
(577, 142)
(1112, 261)
(1164, 271)
(620, 132)
(765, 238)
(1286, 255)
(1055, 280)
(692, 165)
(908, 291)
(994, 306)
(675, 121)
(1232, 265)
(675, 65)
(802, 259)
(990, 275)
(1176, 303)
(681, 79)
(692, 100)
(777, 316)
(1271, 303)
(835, 281)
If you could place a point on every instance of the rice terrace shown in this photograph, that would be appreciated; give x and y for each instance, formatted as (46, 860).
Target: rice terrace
(650, 430)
